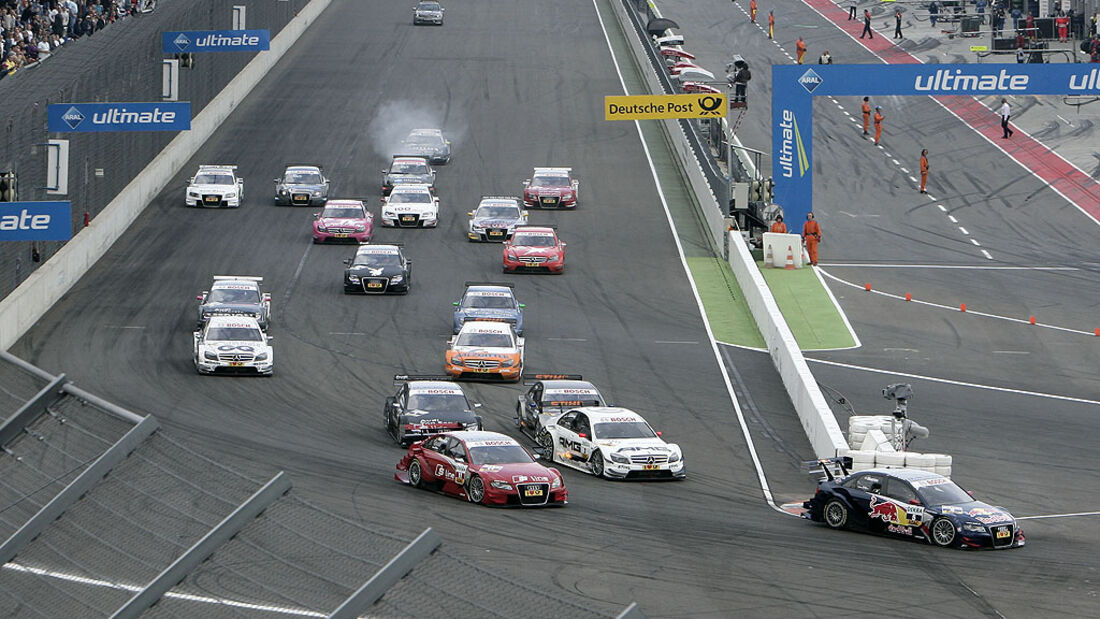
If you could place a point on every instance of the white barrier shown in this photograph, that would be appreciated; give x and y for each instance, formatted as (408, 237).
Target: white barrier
(779, 247)
(817, 418)
(38, 293)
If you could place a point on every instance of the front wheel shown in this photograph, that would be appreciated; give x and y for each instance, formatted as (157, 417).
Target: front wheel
(835, 514)
(416, 476)
(596, 461)
(943, 532)
(475, 490)
(547, 443)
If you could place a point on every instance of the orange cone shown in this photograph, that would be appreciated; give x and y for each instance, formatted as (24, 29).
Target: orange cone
(867, 286)
(790, 258)
(769, 260)
(962, 307)
(1032, 320)
(908, 297)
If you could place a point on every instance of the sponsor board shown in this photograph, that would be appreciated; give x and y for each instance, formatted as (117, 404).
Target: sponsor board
(197, 41)
(92, 117)
(35, 221)
(647, 107)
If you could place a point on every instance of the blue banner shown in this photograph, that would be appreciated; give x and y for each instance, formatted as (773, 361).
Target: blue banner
(87, 117)
(794, 86)
(195, 41)
(35, 221)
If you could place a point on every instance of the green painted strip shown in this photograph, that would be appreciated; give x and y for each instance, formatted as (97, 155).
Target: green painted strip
(811, 314)
(729, 315)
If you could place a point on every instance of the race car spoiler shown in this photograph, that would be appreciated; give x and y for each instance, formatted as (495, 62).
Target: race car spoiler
(554, 169)
(535, 376)
(828, 468)
(411, 156)
(305, 165)
(250, 278)
(386, 244)
(404, 378)
(501, 284)
(217, 166)
(514, 198)
(551, 226)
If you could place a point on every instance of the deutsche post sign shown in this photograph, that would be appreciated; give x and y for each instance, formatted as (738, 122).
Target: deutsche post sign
(646, 107)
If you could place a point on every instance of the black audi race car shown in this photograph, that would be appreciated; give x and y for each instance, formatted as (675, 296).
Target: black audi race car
(425, 405)
(378, 269)
(908, 503)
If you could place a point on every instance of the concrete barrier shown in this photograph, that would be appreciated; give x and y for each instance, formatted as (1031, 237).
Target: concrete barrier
(39, 292)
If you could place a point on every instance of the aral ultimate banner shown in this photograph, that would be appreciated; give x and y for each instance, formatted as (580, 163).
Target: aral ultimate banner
(195, 41)
(86, 117)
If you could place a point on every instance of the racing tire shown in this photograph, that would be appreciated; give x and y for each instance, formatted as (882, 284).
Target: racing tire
(596, 461)
(546, 442)
(835, 514)
(416, 476)
(943, 532)
(475, 490)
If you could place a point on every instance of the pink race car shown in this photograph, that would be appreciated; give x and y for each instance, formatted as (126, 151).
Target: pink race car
(343, 221)
(534, 248)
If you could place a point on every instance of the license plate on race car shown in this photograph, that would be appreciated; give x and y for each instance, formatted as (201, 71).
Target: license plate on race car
(301, 197)
(532, 492)
(212, 199)
(549, 200)
(651, 467)
(340, 235)
(236, 364)
(1002, 533)
(374, 284)
(408, 218)
(496, 233)
(481, 370)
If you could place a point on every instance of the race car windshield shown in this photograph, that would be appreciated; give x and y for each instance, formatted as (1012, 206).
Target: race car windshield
(424, 139)
(303, 178)
(551, 181)
(213, 179)
(482, 301)
(499, 454)
(377, 260)
(234, 334)
(567, 400)
(946, 493)
(497, 212)
(411, 197)
(484, 340)
(409, 168)
(233, 295)
(343, 212)
(437, 402)
(534, 240)
(622, 429)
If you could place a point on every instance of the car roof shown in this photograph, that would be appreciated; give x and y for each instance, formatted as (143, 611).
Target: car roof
(377, 249)
(906, 474)
(303, 168)
(233, 321)
(432, 132)
(488, 289)
(476, 436)
(344, 202)
(555, 385)
(486, 326)
(410, 159)
(553, 171)
(234, 284)
(596, 413)
(411, 188)
(416, 386)
(489, 199)
(535, 229)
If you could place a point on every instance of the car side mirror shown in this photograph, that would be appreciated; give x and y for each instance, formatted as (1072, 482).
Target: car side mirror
(522, 305)
(658, 434)
(563, 244)
(267, 297)
(271, 338)
(459, 458)
(200, 297)
(436, 200)
(347, 261)
(914, 502)
(971, 493)
(582, 435)
(455, 304)
(408, 262)
(525, 213)
(526, 182)
(477, 404)
(537, 456)
(276, 180)
(191, 180)
(316, 215)
(470, 214)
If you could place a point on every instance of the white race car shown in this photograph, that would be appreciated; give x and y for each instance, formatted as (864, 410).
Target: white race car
(611, 442)
(215, 186)
(410, 206)
(233, 345)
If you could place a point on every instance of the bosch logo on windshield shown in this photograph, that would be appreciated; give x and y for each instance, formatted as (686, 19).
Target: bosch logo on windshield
(227, 348)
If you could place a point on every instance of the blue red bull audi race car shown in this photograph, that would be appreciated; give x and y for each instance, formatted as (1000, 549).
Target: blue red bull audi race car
(909, 503)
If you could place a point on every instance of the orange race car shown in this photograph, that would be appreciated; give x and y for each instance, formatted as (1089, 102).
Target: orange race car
(485, 350)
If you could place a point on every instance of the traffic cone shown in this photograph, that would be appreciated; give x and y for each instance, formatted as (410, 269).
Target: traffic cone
(790, 258)
(769, 259)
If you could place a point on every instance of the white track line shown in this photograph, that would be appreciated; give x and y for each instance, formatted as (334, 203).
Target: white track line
(1058, 516)
(840, 310)
(975, 267)
(694, 289)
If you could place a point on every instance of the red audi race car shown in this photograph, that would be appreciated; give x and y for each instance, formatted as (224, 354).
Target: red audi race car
(482, 467)
(534, 248)
(551, 188)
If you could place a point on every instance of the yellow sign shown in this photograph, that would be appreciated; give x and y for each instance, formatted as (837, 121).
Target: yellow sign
(979, 48)
(644, 107)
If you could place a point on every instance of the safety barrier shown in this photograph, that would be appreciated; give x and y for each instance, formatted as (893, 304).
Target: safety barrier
(38, 293)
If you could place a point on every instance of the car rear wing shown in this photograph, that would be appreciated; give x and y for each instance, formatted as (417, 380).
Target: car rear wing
(305, 165)
(404, 378)
(551, 226)
(555, 169)
(828, 469)
(501, 284)
(513, 198)
(411, 156)
(212, 166)
(528, 378)
(250, 278)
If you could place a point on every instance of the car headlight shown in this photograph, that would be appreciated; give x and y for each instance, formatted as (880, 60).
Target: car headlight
(360, 228)
(500, 484)
(567, 195)
(507, 363)
(282, 191)
(511, 256)
(456, 360)
(210, 356)
(230, 195)
(675, 456)
(478, 227)
(353, 279)
(261, 357)
(974, 527)
(556, 483)
(192, 194)
(397, 279)
(322, 229)
(620, 458)
(388, 214)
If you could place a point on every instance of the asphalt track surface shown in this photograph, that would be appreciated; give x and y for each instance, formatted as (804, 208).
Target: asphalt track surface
(518, 85)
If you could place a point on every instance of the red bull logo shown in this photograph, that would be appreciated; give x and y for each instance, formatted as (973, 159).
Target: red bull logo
(895, 513)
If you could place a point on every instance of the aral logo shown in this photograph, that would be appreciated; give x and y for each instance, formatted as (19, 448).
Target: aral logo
(72, 117)
(182, 42)
(810, 80)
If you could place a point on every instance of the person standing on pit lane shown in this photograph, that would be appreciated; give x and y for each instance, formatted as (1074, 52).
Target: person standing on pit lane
(866, 114)
(897, 24)
(1006, 114)
(867, 24)
(771, 24)
(811, 236)
(878, 123)
(778, 226)
(800, 49)
(752, 11)
(923, 169)
(852, 11)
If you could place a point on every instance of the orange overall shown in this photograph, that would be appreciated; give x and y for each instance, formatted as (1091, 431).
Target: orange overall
(923, 172)
(752, 10)
(800, 47)
(878, 126)
(811, 234)
(771, 25)
(866, 116)
(779, 228)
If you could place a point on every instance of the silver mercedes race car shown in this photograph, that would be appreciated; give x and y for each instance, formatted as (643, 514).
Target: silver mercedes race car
(303, 185)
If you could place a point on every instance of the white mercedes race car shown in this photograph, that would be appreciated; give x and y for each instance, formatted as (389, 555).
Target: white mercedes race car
(233, 345)
(215, 186)
(410, 206)
(611, 442)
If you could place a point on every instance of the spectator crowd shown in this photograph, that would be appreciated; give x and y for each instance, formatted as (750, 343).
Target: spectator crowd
(32, 30)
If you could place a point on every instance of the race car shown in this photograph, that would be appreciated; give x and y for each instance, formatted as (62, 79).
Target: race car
(410, 206)
(551, 188)
(233, 345)
(908, 503)
(485, 350)
(549, 397)
(491, 301)
(343, 221)
(495, 219)
(235, 295)
(534, 248)
(481, 467)
(215, 186)
(428, 143)
(427, 12)
(611, 442)
(407, 170)
(378, 269)
(303, 185)
(425, 405)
